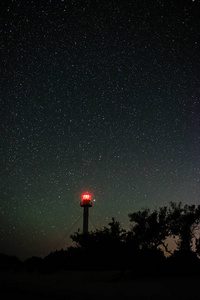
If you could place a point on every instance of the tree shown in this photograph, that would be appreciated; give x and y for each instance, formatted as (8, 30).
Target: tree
(197, 244)
(114, 234)
(150, 229)
(102, 248)
(183, 222)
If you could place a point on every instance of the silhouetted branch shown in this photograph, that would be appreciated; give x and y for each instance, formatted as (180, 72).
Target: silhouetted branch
(166, 248)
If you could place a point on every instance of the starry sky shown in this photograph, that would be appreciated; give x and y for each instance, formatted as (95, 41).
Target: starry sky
(97, 96)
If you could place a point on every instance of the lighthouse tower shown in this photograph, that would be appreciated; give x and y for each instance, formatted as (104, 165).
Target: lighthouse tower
(86, 203)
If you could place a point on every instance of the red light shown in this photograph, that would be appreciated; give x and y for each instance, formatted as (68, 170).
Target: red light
(86, 197)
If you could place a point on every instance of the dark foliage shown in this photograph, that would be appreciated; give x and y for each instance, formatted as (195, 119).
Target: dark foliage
(141, 249)
(9, 263)
(32, 264)
(150, 229)
(183, 221)
(114, 248)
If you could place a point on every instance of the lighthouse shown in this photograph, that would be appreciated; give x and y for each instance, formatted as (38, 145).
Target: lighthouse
(86, 203)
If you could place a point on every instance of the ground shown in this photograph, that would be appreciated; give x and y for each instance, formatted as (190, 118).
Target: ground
(97, 285)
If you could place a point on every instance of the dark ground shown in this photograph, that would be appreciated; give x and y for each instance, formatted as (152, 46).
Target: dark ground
(97, 285)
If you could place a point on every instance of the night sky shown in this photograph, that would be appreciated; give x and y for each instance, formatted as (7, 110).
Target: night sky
(98, 96)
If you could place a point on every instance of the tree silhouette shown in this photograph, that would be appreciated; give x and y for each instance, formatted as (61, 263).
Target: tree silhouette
(183, 221)
(108, 245)
(150, 229)
(114, 234)
(197, 244)
(139, 249)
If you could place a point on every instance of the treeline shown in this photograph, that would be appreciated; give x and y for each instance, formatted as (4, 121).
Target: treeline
(143, 248)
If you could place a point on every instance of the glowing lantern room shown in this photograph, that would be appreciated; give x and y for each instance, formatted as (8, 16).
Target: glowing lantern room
(86, 199)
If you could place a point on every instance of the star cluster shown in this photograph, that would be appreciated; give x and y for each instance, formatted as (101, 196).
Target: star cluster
(99, 96)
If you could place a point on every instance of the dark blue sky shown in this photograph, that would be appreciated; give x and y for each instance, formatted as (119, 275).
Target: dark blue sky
(99, 96)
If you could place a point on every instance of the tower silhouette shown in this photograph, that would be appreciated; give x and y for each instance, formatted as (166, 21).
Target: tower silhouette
(86, 203)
